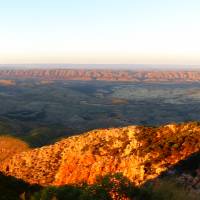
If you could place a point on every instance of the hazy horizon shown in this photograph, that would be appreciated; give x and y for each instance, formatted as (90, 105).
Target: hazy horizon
(100, 31)
(162, 67)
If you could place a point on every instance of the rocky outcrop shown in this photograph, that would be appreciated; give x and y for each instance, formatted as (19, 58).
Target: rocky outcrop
(140, 153)
(103, 75)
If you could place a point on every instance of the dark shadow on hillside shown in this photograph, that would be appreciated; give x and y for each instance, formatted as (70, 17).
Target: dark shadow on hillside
(189, 165)
(186, 173)
(12, 188)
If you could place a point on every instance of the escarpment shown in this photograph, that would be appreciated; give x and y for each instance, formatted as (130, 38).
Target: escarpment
(102, 75)
(140, 153)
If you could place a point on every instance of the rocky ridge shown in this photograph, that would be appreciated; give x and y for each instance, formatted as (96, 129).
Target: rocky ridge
(140, 153)
(103, 75)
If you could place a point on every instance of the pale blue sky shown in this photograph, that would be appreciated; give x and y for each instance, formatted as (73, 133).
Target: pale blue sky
(100, 31)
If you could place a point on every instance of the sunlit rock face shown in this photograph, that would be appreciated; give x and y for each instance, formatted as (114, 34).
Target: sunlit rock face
(140, 153)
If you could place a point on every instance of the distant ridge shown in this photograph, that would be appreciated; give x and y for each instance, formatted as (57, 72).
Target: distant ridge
(103, 75)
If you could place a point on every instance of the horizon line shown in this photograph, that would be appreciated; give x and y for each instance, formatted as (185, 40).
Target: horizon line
(150, 64)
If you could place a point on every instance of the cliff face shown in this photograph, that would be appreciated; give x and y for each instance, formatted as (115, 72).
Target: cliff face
(103, 75)
(140, 153)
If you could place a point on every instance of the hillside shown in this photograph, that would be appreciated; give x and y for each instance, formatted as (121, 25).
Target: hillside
(140, 153)
(10, 146)
(103, 75)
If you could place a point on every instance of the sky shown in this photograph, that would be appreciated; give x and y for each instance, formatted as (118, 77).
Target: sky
(100, 31)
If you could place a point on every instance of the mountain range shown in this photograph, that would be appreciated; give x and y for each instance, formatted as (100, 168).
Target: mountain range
(104, 75)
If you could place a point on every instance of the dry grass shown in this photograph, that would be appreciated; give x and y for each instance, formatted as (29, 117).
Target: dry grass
(10, 146)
